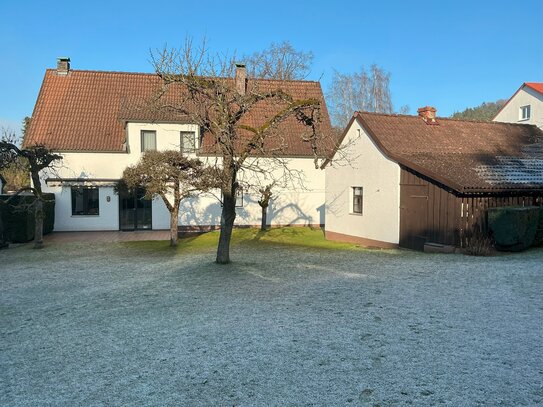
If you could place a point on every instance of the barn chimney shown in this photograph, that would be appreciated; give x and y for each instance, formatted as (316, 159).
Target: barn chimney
(428, 114)
(63, 65)
(241, 78)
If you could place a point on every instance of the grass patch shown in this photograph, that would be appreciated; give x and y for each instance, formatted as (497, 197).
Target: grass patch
(292, 236)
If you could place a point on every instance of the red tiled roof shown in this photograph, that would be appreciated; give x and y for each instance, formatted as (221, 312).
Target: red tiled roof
(87, 110)
(461, 154)
(535, 85)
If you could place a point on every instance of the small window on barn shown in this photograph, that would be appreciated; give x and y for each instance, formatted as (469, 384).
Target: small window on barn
(85, 201)
(148, 140)
(525, 112)
(357, 200)
(188, 142)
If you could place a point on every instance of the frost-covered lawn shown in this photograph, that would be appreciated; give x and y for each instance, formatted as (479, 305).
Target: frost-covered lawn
(316, 325)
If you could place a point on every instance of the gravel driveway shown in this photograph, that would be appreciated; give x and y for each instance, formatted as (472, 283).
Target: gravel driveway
(109, 325)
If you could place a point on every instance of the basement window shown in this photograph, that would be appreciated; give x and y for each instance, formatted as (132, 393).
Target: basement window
(85, 201)
(525, 112)
(357, 193)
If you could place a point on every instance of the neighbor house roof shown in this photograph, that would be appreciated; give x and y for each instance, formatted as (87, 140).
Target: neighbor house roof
(88, 110)
(537, 86)
(466, 156)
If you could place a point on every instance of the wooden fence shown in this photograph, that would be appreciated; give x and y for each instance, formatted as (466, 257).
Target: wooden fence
(473, 216)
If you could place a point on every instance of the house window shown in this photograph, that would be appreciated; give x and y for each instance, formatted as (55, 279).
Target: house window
(525, 112)
(85, 201)
(188, 142)
(239, 198)
(357, 200)
(148, 140)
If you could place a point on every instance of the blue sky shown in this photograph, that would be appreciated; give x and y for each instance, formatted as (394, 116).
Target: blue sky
(449, 54)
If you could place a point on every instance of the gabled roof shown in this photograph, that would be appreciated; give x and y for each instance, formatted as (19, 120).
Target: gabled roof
(87, 111)
(537, 86)
(466, 156)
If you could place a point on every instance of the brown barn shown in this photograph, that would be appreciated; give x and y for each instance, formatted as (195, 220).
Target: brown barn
(448, 173)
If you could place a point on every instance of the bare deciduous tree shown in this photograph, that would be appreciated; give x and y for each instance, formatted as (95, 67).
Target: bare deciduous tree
(171, 176)
(218, 104)
(38, 158)
(280, 61)
(364, 90)
(264, 202)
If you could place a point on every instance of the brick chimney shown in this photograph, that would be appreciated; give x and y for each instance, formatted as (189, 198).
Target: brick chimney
(241, 78)
(63, 65)
(428, 114)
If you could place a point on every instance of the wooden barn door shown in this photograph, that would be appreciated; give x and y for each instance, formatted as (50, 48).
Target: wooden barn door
(413, 216)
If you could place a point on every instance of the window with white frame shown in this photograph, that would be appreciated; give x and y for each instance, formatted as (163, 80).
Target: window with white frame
(148, 140)
(357, 193)
(239, 198)
(188, 141)
(525, 112)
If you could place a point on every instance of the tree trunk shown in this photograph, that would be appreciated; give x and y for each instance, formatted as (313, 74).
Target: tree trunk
(173, 226)
(38, 231)
(264, 223)
(228, 216)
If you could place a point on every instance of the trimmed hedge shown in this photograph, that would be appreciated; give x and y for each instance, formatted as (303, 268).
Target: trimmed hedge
(19, 225)
(538, 239)
(513, 228)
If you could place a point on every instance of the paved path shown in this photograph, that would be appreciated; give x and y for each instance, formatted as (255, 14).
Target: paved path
(107, 236)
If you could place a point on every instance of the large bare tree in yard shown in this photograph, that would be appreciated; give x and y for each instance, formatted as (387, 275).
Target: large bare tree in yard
(37, 158)
(171, 176)
(222, 101)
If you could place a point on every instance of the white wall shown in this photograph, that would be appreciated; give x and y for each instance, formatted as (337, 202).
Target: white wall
(526, 96)
(365, 166)
(290, 204)
(108, 218)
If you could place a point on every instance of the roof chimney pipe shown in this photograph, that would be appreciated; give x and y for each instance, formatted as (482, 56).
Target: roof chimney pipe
(428, 114)
(241, 79)
(63, 65)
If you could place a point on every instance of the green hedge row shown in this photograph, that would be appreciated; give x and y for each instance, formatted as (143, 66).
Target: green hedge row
(19, 224)
(516, 228)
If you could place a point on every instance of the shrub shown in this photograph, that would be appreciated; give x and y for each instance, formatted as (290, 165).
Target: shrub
(513, 228)
(19, 223)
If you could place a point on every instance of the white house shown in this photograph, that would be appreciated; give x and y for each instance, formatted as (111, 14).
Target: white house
(94, 120)
(411, 181)
(525, 106)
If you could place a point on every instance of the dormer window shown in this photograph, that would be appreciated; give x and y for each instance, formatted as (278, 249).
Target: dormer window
(525, 112)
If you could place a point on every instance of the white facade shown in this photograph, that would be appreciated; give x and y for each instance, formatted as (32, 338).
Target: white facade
(364, 166)
(292, 205)
(525, 99)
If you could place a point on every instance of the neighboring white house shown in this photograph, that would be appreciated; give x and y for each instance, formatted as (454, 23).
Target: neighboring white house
(95, 121)
(412, 180)
(525, 106)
